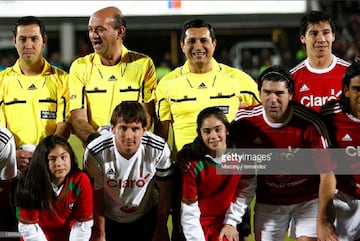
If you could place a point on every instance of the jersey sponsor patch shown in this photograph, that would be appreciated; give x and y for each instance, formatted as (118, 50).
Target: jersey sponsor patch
(47, 114)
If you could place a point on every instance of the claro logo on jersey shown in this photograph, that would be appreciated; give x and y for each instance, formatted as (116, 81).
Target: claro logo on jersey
(313, 100)
(353, 151)
(130, 183)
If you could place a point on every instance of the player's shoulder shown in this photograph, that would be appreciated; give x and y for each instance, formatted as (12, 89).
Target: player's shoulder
(78, 176)
(249, 112)
(298, 67)
(342, 62)
(234, 72)
(330, 108)
(83, 61)
(153, 142)
(59, 72)
(101, 144)
(170, 76)
(306, 114)
(135, 55)
(5, 72)
(135, 58)
(5, 135)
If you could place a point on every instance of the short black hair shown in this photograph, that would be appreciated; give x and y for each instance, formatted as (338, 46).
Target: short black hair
(315, 17)
(197, 23)
(276, 73)
(130, 111)
(28, 20)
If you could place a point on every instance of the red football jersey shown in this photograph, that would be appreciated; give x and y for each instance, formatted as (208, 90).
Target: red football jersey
(201, 183)
(344, 129)
(74, 203)
(302, 129)
(315, 87)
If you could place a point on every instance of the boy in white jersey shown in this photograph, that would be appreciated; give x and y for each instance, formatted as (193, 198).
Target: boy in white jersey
(125, 165)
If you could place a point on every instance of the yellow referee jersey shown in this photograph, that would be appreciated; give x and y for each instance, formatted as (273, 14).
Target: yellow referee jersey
(99, 88)
(181, 95)
(31, 106)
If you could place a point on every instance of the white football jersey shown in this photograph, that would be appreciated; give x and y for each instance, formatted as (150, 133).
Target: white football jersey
(128, 184)
(8, 167)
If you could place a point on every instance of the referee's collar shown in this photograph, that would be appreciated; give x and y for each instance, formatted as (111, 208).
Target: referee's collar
(215, 66)
(47, 70)
(124, 56)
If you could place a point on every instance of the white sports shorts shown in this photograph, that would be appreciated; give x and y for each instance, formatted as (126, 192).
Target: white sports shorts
(347, 217)
(271, 222)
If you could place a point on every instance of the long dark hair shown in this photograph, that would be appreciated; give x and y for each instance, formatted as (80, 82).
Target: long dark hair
(34, 189)
(204, 114)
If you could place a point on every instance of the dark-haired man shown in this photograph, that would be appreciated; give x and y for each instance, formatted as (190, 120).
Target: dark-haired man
(201, 82)
(132, 171)
(343, 120)
(33, 94)
(318, 77)
(281, 123)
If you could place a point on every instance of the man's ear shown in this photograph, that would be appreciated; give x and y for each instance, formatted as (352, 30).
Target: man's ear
(214, 43)
(14, 40)
(45, 39)
(122, 31)
(302, 39)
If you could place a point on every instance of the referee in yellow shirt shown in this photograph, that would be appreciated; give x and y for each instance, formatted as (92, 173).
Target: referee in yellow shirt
(101, 80)
(201, 82)
(34, 101)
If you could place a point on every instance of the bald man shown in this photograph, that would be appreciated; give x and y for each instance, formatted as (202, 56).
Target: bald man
(101, 80)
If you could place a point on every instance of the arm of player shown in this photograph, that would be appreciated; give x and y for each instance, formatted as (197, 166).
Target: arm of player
(82, 211)
(63, 129)
(81, 126)
(325, 229)
(163, 210)
(95, 171)
(8, 165)
(244, 194)
(189, 209)
(81, 231)
(31, 232)
(150, 113)
(23, 159)
(190, 222)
